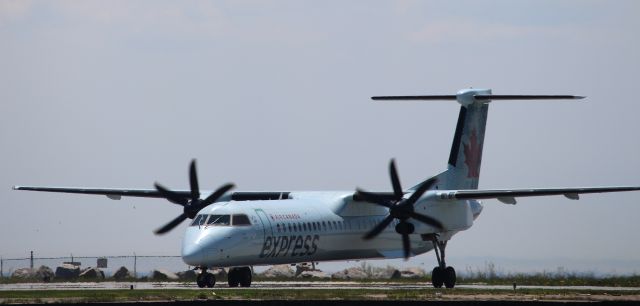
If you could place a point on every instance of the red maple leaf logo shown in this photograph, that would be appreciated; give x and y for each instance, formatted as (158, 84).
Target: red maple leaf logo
(473, 155)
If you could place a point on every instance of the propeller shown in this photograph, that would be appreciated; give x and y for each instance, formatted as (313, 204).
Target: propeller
(399, 208)
(192, 203)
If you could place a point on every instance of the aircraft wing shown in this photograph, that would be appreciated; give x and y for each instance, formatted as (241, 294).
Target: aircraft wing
(508, 196)
(118, 193)
(112, 193)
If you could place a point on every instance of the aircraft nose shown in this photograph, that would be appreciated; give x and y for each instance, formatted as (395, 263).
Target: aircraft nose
(193, 254)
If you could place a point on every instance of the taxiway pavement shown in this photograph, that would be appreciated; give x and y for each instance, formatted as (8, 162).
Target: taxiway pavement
(280, 285)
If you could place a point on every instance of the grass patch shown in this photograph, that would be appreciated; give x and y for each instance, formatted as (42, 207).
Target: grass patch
(552, 279)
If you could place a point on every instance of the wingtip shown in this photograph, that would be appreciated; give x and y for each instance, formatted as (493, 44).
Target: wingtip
(15, 187)
(378, 98)
(579, 97)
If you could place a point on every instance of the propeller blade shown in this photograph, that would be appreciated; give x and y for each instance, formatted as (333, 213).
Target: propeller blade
(395, 180)
(379, 228)
(427, 220)
(193, 181)
(420, 191)
(171, 196)
(373, 198)
(406, 245)
(215, 195)
(169, 226)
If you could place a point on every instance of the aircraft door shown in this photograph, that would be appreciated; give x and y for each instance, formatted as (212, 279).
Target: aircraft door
(266, 223)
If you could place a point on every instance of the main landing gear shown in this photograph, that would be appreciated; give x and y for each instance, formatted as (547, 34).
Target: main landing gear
(442, 275)
(239, 276)
(206, 279)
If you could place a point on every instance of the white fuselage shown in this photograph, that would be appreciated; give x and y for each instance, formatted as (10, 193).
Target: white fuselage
(311, 227)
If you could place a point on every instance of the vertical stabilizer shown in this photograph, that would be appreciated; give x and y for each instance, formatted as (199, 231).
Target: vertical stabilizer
(465, 158)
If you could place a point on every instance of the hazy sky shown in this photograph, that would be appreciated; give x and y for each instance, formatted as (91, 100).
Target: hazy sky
(275, 96)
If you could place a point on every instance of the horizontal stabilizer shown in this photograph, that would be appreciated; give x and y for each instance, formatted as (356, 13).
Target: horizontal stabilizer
(481, 97)
(433, 97)
(527, 97)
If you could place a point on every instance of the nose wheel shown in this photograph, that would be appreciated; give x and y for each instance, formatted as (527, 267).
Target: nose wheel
(442, 275)
(206, 279)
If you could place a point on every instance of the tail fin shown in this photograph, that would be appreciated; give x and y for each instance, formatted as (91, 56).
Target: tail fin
(463, 171)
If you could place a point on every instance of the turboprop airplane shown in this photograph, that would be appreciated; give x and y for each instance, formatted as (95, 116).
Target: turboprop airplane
(239, 230)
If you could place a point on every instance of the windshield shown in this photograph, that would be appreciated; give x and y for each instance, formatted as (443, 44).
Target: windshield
(219, 220)
(199, 220)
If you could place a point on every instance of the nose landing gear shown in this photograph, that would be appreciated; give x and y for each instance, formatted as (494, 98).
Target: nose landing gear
(205, 279)
(442, 275)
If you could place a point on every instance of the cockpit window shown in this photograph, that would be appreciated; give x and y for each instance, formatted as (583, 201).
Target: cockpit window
(219, 220)
(199, 220)
(241, 220)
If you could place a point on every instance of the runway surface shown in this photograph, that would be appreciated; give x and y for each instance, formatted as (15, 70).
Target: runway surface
(281, 285)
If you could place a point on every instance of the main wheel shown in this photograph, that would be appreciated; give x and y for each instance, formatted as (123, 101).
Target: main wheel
(210, 280)
(244, 276)
(437, 277)
(233, 277)
(449, 277)
(200, 280)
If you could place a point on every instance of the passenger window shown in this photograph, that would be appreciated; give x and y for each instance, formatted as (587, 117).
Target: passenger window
(199, 220)
(219, 220)
(289, 225)
(295, 228)
(324, 225)
(304, 225)
(241, 220)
